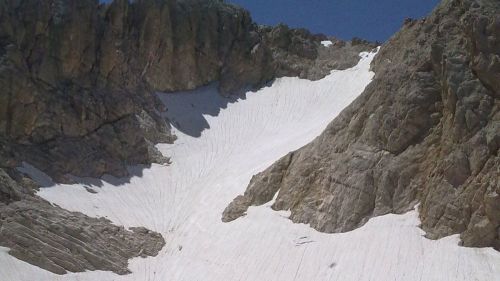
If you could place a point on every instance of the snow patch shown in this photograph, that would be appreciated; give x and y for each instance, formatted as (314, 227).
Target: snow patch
(326, 43)
(221, 144)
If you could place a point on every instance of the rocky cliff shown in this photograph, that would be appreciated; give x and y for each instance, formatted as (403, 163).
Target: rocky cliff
(78, 81)
(426, 130)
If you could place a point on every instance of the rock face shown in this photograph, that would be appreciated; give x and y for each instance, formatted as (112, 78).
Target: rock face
(426, 130)
(78, 80)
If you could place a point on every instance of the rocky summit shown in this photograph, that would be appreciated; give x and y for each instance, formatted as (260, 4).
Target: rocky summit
(425, 132)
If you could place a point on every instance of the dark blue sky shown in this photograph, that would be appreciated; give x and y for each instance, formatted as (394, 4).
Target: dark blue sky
(367, 19)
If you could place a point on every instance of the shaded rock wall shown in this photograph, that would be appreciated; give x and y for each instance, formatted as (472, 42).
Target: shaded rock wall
(426, 130)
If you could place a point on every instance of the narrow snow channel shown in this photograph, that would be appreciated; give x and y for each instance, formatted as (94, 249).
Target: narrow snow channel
(184, 201)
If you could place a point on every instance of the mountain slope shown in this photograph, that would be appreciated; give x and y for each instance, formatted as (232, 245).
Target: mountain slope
(426, 130)
(78, 82)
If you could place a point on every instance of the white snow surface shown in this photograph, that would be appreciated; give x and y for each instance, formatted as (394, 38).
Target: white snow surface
(326, 43)
(184, 201)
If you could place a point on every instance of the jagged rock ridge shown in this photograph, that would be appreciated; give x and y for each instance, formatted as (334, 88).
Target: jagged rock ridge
(427, 129)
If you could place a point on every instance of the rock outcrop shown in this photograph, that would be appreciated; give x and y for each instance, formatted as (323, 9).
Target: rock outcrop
(426, 130)
(60, 241)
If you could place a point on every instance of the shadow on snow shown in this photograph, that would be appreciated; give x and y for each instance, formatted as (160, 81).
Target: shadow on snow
(186, 110)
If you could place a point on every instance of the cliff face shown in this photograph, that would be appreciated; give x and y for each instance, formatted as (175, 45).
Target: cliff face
(426, 130)
(64, 95)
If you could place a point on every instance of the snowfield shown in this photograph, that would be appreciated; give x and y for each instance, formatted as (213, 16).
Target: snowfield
(218, 151)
